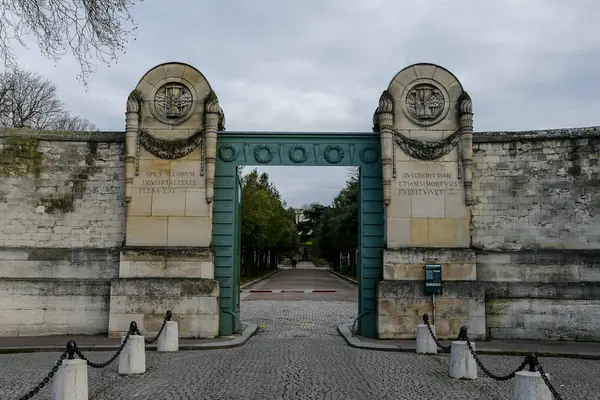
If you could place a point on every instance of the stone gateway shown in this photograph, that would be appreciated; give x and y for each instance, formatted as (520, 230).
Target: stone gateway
(99, 229)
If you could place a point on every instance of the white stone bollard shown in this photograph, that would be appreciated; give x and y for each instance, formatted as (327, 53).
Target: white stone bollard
(169, 338)
(132, 359)
(462, 363)
(71, 381)
(425, 343)
(530, 386)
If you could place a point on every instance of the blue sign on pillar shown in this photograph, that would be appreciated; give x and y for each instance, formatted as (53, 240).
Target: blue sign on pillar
(433, 279)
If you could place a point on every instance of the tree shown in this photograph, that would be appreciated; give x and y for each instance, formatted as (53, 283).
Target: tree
(28, 100)
(90, 29)
(268, 227)
(336, 230)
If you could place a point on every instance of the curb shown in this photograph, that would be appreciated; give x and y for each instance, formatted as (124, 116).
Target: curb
(245, 285)
(249, 331)
(353, 341)
(342, 276)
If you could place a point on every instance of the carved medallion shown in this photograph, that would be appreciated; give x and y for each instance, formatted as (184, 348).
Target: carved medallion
(173, 102)
(425, 102)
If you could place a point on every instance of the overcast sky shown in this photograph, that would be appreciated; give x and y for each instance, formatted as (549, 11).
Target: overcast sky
(320, 65)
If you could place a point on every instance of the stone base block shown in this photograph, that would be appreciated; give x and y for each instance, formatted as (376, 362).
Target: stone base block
(401, 305)
(194, 303)
(166, 262)
(409, 264)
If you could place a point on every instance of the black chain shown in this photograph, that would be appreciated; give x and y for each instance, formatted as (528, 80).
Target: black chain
(46, 380)
(441, 346)
(487, 372)
(104, 364)
(547, 381)
(167, 318)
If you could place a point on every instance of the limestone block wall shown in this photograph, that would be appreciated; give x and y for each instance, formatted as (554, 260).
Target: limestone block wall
(194, 303)
(538, 190)
(61, 189)
(536, 225)
(62, 216)
(37, 307)
(542, 294)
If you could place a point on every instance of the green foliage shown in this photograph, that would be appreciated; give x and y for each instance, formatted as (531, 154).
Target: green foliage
(267, 226)
(336, 228)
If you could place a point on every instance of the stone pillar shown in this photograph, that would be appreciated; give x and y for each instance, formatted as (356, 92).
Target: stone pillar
(424, 118)
(385, 122)
(132, 117)
(167, 260)
(212, 117)
(71, 381)
(466, 141)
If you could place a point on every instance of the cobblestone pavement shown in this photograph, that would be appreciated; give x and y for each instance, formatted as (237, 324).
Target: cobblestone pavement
(297, 355)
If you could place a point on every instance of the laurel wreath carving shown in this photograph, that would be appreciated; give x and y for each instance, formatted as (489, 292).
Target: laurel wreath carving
(263, 159)
(298, 159)
(170, 149)
(328, 156)
(426, 151)
(368, 155)
(228, 152)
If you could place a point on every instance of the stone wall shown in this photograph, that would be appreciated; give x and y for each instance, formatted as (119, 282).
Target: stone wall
(62, 221)
(536, 224)
(61, 189)
(538, 190)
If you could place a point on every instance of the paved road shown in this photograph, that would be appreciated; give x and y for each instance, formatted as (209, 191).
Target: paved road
(306, 276)
(297, 355)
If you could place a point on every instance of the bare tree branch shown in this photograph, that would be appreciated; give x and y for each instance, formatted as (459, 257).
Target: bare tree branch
(72, 123)
(91, 29)
(28, 100)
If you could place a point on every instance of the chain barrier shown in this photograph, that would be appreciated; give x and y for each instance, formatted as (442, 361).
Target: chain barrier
(546, 380)
(168, 316)
(441, 346)
(485, 370)
(113, 358)
(69, 354)
(46, 380)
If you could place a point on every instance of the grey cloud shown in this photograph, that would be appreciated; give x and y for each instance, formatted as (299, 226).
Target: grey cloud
(322, 64)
